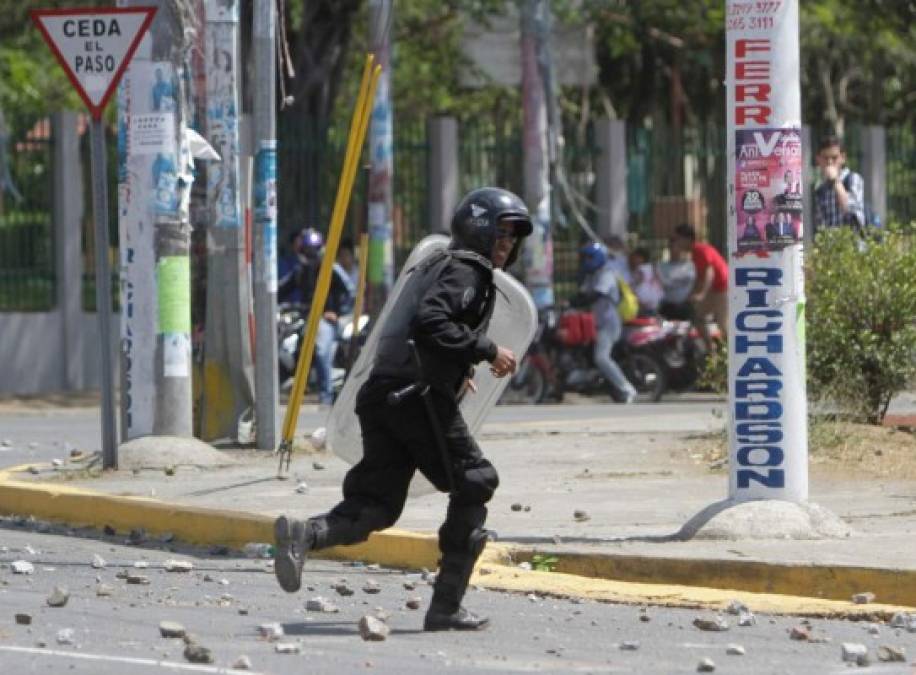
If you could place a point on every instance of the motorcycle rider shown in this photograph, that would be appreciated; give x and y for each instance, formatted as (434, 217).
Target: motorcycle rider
(445, 307)
(341, 297)
(601, 290)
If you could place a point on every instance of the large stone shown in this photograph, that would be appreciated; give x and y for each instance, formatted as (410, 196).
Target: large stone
(58, 597)
(372, 629)
(706, 665)
(66, 636)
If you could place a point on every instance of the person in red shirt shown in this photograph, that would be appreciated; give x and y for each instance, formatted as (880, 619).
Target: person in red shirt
(710, 290)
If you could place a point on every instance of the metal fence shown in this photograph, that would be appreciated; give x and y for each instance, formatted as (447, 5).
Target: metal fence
(672, 177)
(27, 279)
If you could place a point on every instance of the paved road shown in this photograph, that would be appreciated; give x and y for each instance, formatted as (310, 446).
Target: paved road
(224, 600)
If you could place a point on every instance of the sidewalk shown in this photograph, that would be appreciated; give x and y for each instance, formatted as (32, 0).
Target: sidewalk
(633, 482)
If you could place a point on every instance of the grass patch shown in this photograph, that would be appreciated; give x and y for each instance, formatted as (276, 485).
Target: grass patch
(833, 446)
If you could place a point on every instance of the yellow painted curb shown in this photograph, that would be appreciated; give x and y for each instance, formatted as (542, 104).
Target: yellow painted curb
(830, 582)
(598, 577)
(503, 578)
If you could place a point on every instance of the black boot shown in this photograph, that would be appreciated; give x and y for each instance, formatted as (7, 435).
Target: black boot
(445, 611)
(294, 539)
(446, 617)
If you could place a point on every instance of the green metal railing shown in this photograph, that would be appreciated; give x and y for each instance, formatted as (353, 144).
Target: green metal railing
(27, 280)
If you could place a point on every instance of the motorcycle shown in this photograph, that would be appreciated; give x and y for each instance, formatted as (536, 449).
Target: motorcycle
(291, 320)
(561, 360)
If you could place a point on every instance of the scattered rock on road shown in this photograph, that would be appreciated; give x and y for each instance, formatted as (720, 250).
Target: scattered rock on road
(318, 466)
(629, 645)
(747, 619)
(887, 653)
(516, 507)
(874, 629)
(241, 663)
(104, 590)
(196, 653)
(706, 665)
(287, 648)
(59, 597)
(271, 631)
(717, 623)
(137, 537)
(414, 603)
(852, 651)
(22, 567)
(171, 629)
(863, 598)
(178, 565)
(65, 636)
(24, 619)
(137, 579)
(735, 650)
(371, 587)
(801, 633)
(343, 589)
(302, 488)
(98, 562)
(737, 608)
(372, 629)
(580, 516)
(319, 604)
(410, 585)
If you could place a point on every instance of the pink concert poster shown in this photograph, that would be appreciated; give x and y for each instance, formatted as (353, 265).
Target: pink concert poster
(769, 188)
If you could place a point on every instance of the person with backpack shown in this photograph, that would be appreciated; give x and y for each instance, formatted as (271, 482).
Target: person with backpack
(444, 309)
(839, 199)
(603, 289)
(710, 289)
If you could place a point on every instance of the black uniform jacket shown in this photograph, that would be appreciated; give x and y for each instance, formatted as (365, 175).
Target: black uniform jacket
(449, 327)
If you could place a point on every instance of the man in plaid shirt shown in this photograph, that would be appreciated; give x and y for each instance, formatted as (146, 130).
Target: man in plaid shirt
(840, 197)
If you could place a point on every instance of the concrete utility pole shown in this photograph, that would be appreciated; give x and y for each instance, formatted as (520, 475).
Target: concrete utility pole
(265, 228)
(381, 157)
(768, 410)
(228, 386)
(538, 253)
(154, 191)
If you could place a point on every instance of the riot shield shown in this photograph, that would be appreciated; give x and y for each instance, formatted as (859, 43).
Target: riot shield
(513, 325)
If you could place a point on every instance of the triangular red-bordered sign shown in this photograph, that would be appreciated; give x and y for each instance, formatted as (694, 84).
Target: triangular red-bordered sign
(94, 46)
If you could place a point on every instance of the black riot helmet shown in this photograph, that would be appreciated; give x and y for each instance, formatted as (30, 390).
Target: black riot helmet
(475, 220)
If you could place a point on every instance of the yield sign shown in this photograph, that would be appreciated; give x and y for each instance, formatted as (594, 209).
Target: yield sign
(94, 46)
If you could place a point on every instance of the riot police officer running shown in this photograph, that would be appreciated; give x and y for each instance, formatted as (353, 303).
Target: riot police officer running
(445, 309)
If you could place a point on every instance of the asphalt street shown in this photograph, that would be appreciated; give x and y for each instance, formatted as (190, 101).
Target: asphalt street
(224, 600)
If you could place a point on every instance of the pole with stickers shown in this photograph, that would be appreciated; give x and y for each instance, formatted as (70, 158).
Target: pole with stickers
(94, 46)
(768, 440)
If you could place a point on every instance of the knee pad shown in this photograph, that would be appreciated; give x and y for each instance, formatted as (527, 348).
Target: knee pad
(477, 483)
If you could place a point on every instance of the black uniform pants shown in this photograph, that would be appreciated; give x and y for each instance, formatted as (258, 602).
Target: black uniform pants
(397, 441)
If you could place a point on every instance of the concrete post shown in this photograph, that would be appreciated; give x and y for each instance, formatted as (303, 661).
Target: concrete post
(442, 133)
(807, 188)
(68, 213)
(265, 226)
(611, 178)
(874, 169)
